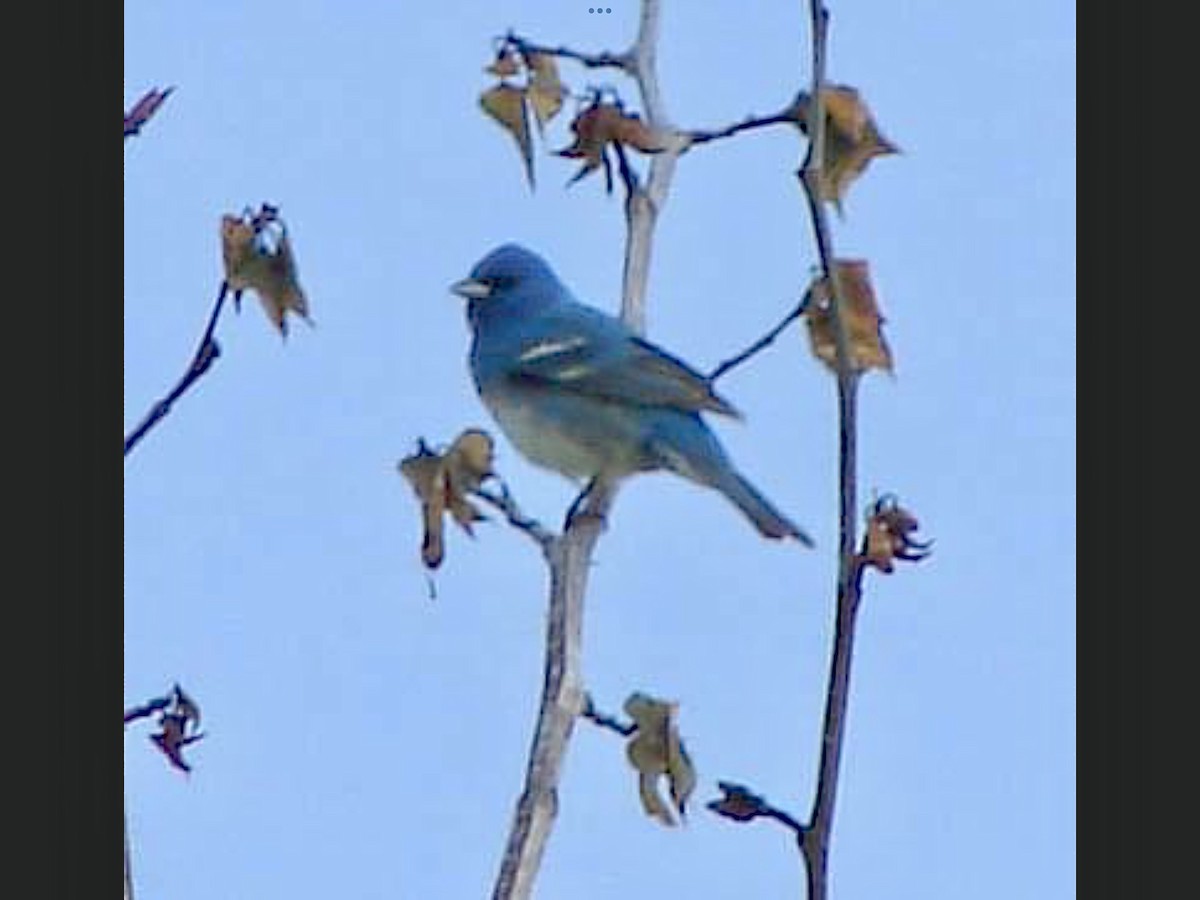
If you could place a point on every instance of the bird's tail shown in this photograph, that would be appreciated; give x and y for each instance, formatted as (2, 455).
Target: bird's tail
(758, 509)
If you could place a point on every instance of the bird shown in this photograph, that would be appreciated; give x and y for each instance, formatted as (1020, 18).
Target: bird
(578, 392)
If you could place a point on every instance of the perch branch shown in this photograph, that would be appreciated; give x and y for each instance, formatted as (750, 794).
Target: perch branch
(570, 556)
(206, 353)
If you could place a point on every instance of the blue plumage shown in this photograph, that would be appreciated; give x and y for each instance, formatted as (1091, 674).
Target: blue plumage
(577, 392)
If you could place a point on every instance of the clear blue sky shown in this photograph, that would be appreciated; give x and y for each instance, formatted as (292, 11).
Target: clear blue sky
(367, 742)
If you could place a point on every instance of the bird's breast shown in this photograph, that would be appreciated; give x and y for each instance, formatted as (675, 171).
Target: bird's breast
(576, 436)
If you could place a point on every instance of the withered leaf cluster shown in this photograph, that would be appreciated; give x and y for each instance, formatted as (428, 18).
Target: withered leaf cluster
(852, 139)
(860, 314)
(603, 125)
(443, 482)
(257, 256)
(738, 803)
(178, 723)
(539, 90)
(656, 751)
(890, 537)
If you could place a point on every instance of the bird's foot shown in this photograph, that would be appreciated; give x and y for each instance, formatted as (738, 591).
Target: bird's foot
(581, 509)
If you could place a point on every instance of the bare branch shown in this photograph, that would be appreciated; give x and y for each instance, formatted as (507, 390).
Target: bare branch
(815, 843)
(561, 703)
(603, 60)
(762, 343)
(698, 137)
(206, 353)
(612, 723)
(149, 708)
(643, 205)
(504, 502)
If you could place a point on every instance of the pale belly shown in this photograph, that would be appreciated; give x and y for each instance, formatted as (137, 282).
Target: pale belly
(577, 438)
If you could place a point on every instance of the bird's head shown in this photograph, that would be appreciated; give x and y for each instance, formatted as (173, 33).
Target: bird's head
(508, 275)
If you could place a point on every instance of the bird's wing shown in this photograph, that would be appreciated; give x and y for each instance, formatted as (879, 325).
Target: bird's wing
(599, 357)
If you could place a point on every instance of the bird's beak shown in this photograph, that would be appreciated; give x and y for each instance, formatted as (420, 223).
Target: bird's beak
(471, 289)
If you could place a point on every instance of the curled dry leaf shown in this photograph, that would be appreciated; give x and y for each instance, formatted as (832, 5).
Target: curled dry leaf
(598, 126)
(506, 104)
(852, 139)
(738, 803)
(890, 537)
(442, 482)
(655, 751)
(258, 256)
(546, 90)
(178, 724)
(467, 463)
(860, 314)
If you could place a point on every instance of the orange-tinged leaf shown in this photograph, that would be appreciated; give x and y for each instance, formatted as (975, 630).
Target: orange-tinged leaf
(425, 473)
(467, 463)
(890, 537)
(860, 315)
(442, 483)
(506, 104)
(598, 126)
(633, 132)
(546, 90)
(852, 139)
(252, 263)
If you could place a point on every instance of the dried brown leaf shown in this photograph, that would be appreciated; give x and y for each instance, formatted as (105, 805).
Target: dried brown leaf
(890, 537)
(467, 463)
(860, 315)
(252, 262)
(852, 139)
(506, 104)
(655, 751)
(546, 90)
(442, 483)
(737, 802)
(426, 475)
(598, 126)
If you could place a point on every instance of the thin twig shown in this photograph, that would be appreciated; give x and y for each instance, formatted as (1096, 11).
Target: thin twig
(206, 353)
(516, 517)
(741, 804)
(144, 110)
(762, 343)
(612, 723)
(603, 60)
(149, 708)
(570, 556)
(750, 122)
(815, 843)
